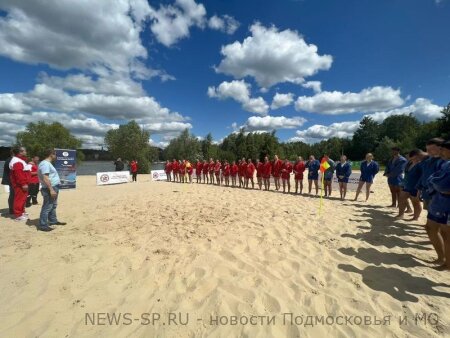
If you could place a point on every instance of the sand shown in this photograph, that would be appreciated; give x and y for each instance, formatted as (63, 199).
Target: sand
(142, 249)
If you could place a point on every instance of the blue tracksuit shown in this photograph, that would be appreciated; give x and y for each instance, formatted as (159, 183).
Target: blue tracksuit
(368, 171)
(313, 170)
(343, 170)
(412, 177)
(429, 167)
(439, 189)
(394, 170)
(328, 174)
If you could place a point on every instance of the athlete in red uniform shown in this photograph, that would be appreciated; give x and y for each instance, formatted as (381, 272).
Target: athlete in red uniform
(226, 173)
(286, 171)
(33, 187)
(217, 171)
(189, 170)
(259, 173)
(299, 169)
(20, 178)
(211, 170)
(168, 170)
(198, 171)
(240, 173)
(276, 171)
(205, 172)
(243, 169)
(250, 174)
(183, 171)
(234, 172)
(267, 170)
(176, 170)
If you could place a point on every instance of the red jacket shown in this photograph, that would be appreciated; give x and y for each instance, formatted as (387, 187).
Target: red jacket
(299, 169)
(20, 171)
(133, 167)
(175, 166)
(286, 170)
(34, 170)
(234, 169)
(211, 166)
(168, 168)
(189, 168)
(250, 170)
(243, 169)
(217, 168)
(267, 169)
(259, 169)
(199, 168)
(226, 170)
(205, 167)
(276, 168)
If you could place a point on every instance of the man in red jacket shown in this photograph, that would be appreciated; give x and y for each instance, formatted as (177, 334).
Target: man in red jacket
(286, 170)
(211, 170)
(299, 169)
(259, 173)
(250, 173)
(168, 170)
(205, 172)
(217, 168)
(20, 178)
(226, 173)
(267, 170)
(276, 171)
(234, 171)
(176, 170)
(243, 168)
(198, 171)
(33, 187)
(134, 170)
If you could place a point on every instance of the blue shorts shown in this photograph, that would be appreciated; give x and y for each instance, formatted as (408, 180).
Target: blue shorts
(395, 181)
(313, 177)
(343, 180)
(328, 178)
(367, 179)
(442, 218)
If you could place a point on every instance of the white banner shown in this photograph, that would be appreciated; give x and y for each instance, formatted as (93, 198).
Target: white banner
(6, 188)
(158, 175)
(352, 184)
(113, 177)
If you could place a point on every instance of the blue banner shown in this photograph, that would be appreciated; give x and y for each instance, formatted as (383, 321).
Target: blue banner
(66, 166)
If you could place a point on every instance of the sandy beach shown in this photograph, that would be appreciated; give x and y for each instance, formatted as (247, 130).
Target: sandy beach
(153, 248)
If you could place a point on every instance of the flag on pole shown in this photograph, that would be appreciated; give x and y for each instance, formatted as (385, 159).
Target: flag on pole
(324, 165)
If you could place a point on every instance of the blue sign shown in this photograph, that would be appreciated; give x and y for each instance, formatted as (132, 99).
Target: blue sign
(66, 166)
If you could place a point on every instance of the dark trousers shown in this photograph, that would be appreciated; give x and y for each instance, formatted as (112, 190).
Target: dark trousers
(134, 177)
(11, 199)
(33, 190)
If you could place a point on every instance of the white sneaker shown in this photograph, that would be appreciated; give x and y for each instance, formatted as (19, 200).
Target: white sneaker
(21, 218)
(25, 214)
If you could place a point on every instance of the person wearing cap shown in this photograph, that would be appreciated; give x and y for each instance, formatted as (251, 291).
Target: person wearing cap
(413, 172)
(369, 168)
(439, 208)
(343, 172)
(394, 173)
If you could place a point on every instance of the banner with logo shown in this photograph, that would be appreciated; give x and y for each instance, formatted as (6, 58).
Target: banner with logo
(158, 175)
(66, 166)
(352, 184)
(113, 177)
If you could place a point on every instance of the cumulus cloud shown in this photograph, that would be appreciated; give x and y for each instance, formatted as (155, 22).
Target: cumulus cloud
(316, 86)
(239, 91)
(334, 103)
(271, 56)
(422, 109)
(319, 132)
(10, 103)
(267, 123)
(282, 100)
(225, 23)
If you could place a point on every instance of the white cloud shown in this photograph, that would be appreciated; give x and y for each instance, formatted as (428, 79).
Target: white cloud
(171, 23)
(282, 100)
(334, 103)
(226, 24)
(10, 103)
(160, 144)
(267, 123)
(272, 56)
(316, 86)
(239, 91)
(319, 132)
(422, 109)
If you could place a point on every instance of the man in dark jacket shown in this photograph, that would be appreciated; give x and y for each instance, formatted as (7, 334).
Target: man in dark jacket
(6, 181)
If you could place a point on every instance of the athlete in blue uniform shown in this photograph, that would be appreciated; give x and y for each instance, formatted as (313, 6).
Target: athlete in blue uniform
(394, 173)
(369, 168)
(413, 173)
(313, 166)
(439, 208)
(343, 172)
(328, 175)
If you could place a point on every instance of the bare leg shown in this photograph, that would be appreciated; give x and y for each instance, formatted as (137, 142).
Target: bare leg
(301, 186)
(345, 189)
(368, 185)
(309, 186)
(289, 185)
(316, 183)
(358, 190)
(434, 233)
(393, 196)
(402, 204)
(284, 185)
(417, 205)
(445, 230)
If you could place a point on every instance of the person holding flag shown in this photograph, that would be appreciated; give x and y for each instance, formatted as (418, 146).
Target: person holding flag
(369, 168)
(324, 166)
(313, 166)
(343, 172)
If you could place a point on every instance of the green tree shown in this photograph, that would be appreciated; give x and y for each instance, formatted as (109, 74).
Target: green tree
(382, 153)
(40, 136)
(130, 142)
(365, 138)
(444, 123)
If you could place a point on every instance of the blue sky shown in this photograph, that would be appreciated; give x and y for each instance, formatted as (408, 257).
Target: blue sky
(216, 66)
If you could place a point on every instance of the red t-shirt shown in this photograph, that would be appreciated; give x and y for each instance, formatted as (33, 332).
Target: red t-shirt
(277, 166)
(243, 169)
(226, 170)
(34, 169)
(286, 170)
(217, 168)
(211, 166)
(205, 167)
(259, 169)
(299, 169)
(199, 168)
(250, 170)
(267, 169)
(176, 167)
(168, 168)
(183, 168)
(133, 167)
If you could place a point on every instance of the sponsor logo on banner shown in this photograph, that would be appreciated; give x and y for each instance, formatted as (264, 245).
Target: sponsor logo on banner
(66, 166)
(158, 175)
(113, 177)
(352, 184)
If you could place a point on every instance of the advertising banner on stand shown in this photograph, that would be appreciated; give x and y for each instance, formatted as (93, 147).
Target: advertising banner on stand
(66, 166)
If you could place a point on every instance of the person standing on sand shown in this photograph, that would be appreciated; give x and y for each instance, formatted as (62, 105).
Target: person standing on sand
(20, 178)
(343, 172)
(217, 167)
(267, 171)
(205, 172)
(250, 173)
(328, 175)
(189, 170)
(198, 171)
(276, 171)
(286, 170)
(134, 169)
(313, 166)
(226, 173)
(369, 168)
(119, 164)
(6, 180)
(211, 167)
(33, 187)
(394, 173)
(413, 172)
(240, 174)
(234, 171)
(439, 208)
(49, 178)
(168, 171)
(176, 170)
(299, 169)
(429, 167)
(259, 173)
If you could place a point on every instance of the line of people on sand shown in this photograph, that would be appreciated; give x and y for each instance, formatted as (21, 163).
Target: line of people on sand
(132, 167)
(423, 178)
(24, 179)
(242, 173)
